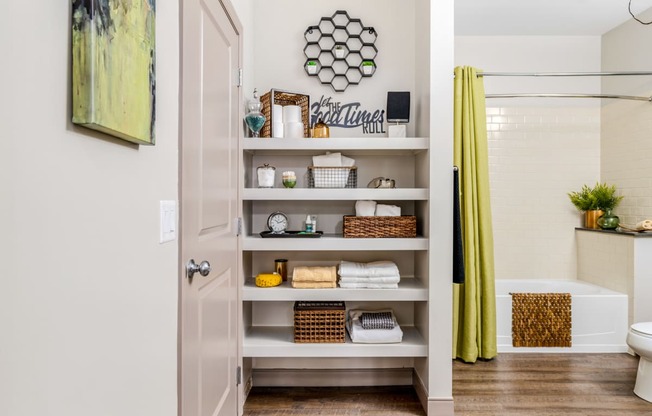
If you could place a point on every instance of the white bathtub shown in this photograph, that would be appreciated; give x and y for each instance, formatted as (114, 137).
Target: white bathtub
(599, 315)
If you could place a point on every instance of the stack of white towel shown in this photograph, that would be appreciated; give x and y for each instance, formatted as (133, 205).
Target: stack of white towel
(372, 208)
(374, 275)
(379, 327)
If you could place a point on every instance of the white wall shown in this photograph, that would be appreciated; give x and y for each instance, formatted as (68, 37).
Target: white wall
(627, 125)
(88, 299)
(539, 149)
(279, 59)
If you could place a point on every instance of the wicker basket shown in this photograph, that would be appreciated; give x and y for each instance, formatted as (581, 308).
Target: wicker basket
(380, 227)
(284, 98)
(332, 177)
(319, 322)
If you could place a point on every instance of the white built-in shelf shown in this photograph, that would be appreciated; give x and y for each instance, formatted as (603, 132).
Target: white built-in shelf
(408, 290)
(278, 341)
(360, 145)
(340, 194)
(333, 243)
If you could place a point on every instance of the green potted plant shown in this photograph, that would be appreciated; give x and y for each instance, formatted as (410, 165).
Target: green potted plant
(607, 201)
(340, 52)
(595, 202)
(367, 67)
(311, 66)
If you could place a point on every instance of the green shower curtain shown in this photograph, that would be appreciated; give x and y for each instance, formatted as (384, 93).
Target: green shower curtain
(474, 301)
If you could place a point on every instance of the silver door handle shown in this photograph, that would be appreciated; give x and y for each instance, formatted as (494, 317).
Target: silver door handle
(203, 268)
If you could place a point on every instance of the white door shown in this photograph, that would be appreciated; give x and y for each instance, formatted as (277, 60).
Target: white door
(210, 119)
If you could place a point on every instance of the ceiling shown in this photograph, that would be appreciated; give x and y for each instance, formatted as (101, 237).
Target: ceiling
(542, 17)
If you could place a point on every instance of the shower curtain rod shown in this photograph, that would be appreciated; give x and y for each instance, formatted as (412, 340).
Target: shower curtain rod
(620, 97)
(561, 74)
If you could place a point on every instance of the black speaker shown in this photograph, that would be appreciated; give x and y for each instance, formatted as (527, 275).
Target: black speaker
(398, 106)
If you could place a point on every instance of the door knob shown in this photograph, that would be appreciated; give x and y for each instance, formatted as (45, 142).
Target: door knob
(203, 268)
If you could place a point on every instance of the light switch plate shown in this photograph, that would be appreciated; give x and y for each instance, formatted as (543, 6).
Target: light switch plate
(168, 229)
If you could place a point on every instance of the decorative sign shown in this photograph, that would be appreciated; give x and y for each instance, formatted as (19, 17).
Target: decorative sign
(347, 115)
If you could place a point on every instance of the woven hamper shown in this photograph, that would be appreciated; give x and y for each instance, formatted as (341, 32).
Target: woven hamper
(319, 322)
(404, 226)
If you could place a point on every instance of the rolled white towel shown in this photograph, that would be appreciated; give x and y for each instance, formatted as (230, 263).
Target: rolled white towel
(365, 208)
(644, 225)
(375, 268)
(383, 210)
(327, 160)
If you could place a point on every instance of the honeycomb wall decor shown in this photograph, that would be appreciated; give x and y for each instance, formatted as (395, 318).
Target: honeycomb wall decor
(340, 51)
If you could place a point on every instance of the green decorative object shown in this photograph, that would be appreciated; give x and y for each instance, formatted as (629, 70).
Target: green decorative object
(601, 196)
(608, 221)
(113, 67)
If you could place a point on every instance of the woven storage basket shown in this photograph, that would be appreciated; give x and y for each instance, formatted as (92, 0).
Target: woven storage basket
(284, 98)
(332, 177)
(319, 322)
(380, 227)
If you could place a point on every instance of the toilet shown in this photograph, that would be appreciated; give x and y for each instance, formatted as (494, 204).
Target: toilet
(639, 340)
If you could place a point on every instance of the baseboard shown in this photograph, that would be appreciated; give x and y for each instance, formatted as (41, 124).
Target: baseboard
(420, 389)
(332, 378)
(441, 407)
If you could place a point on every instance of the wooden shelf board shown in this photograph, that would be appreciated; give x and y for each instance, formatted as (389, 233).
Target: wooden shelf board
(277, 341)
(411, 290)
(331, 242)
(340, 194)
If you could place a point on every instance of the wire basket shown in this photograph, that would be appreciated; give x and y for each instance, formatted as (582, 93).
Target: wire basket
(284, 98)
(332, 177)
(404, 226)
(319, 322)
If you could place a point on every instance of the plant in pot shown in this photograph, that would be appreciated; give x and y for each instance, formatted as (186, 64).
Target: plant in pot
(367, 67)
(311, 66)
(607, 200)
(597, 202)
(339, 52)
(586, 202)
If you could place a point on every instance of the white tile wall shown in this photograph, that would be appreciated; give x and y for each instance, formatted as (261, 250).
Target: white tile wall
(536, 156)
(626, 157)
(627, 125)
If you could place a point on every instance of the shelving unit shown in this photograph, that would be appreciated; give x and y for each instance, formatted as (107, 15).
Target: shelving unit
(267, 312)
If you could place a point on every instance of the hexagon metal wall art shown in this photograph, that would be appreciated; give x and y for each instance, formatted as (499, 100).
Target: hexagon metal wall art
(340, 51)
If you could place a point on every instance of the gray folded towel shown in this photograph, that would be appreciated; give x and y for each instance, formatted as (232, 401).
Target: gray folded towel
(377, 320)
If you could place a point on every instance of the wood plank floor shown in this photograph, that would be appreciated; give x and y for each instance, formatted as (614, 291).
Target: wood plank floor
(510, 385)
(549, 384)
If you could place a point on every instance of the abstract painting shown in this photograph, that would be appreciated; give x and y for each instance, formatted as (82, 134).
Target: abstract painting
(113, 67)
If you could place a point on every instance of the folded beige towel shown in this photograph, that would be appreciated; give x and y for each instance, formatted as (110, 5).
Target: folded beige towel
(313, 285)
(314, 274)
(644, 225)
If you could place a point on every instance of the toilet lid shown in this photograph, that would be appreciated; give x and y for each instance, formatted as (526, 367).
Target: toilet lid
(643, 328)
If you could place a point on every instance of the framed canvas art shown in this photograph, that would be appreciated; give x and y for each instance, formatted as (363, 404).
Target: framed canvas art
(113, 67)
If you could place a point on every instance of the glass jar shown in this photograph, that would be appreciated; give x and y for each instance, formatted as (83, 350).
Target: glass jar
(266, 175)
(254, 118)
